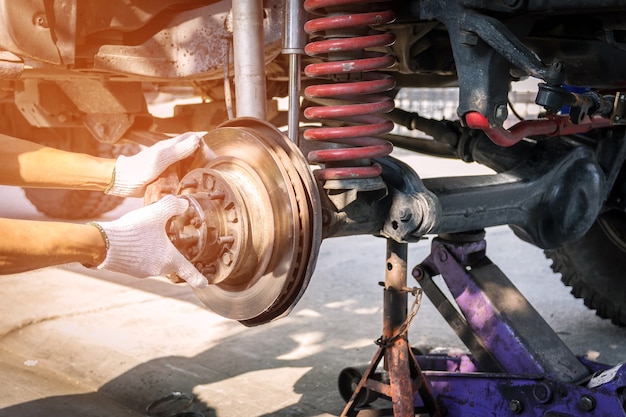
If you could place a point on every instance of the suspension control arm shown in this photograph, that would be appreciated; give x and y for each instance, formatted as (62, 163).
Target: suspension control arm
(554, 196)
(551, 198)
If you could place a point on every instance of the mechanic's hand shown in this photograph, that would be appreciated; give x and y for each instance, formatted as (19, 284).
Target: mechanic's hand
(133, 173)
(139, 245)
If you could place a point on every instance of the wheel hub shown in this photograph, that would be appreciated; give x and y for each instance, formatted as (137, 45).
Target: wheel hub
(253, 227)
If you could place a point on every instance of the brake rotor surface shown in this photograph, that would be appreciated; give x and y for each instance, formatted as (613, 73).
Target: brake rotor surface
(254, 223)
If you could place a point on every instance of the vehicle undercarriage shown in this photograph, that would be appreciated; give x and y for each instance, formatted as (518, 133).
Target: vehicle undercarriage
(272, 183)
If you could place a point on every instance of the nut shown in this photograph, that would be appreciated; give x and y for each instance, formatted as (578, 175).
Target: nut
(516, 406)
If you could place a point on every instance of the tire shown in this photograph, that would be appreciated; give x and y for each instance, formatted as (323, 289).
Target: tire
(64, 204)
(71, 204)
(594, 267)
(79, 204)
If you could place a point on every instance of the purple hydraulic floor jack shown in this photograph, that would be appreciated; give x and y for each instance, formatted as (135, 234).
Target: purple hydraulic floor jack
(517, 365)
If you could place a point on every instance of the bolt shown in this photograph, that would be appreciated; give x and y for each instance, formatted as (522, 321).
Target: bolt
(556, 65)
(217, 196)
(224, 240)
(40, 20)
(418, 273)
(516, 406)
(227, 258)
(188, 183)
(209, 270)
(542, 393)
(231, 216)
(443, 256)
(501, 112)
(405, 215)
(587, 403)
(413, 290)
(209, 182)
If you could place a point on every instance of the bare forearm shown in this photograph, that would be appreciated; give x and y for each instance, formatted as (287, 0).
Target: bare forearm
(26, 245)
(29, 164)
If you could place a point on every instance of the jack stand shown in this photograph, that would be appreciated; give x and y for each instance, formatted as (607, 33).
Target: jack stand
(517, 365)
(404, 377)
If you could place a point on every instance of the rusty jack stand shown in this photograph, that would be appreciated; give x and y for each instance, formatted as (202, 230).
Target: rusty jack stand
(405, 376)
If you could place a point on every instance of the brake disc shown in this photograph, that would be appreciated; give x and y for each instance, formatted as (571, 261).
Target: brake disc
(253, 227)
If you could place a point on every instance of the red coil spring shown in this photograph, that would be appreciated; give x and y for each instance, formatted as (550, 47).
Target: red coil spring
(356, 86)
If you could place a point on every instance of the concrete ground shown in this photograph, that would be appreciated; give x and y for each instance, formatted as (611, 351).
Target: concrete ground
(77, 342)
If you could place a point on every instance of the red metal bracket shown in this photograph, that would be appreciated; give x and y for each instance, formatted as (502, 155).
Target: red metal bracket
(551, 125)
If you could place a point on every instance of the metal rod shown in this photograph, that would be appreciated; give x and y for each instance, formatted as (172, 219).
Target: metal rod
(248, 48)
(395, 313)
(228, 96)
(294, 42)
(293, 113)
(395, 280)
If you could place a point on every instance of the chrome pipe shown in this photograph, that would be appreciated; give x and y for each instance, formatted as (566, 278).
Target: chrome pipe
(294, 41)
(249, 57)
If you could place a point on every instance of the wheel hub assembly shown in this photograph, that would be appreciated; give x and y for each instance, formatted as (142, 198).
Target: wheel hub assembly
(253, 227)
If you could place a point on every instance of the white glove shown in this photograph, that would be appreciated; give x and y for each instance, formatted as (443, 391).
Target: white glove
(133, 173)
(138, 244)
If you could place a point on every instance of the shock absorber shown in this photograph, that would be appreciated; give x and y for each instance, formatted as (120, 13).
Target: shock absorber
(343, 39)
